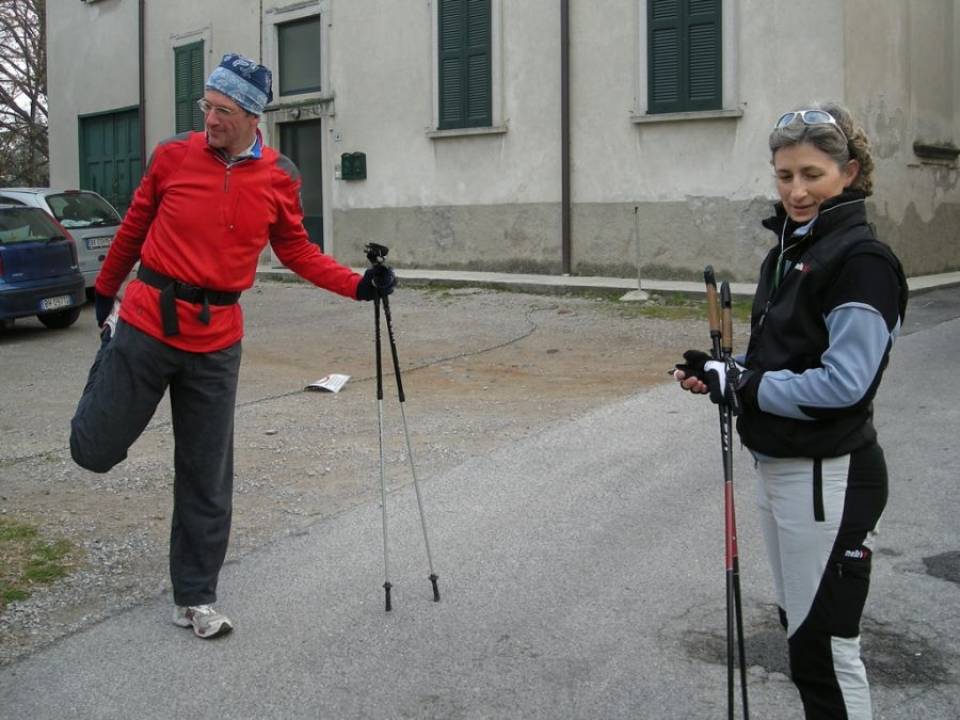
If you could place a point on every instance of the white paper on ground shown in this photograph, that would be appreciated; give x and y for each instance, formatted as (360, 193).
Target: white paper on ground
(329, 383)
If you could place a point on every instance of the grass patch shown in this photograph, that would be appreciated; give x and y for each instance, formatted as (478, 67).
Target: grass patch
(678, 306)
(28, 560)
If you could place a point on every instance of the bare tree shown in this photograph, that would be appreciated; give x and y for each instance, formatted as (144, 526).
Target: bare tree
(24, 153)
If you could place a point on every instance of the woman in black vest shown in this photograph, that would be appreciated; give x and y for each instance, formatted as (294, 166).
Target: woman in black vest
(829, 304)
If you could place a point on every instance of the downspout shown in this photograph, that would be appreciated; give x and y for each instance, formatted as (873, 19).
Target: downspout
(565, 136)
(141, 24)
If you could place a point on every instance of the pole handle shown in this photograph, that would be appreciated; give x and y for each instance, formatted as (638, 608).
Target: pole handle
(713, 309)
(726, 335)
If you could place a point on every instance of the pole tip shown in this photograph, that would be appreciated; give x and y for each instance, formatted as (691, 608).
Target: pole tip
(436, 590)
(386, 589)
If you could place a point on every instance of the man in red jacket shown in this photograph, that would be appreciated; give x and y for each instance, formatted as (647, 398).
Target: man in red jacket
(205, 209)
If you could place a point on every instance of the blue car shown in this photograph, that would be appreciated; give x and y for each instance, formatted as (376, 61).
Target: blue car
(91, 220)
(39, 271)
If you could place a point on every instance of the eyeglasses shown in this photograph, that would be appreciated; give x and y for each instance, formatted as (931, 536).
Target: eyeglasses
(206, 106)
(810, 117)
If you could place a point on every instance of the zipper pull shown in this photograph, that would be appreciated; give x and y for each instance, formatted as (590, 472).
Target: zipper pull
(763, 315)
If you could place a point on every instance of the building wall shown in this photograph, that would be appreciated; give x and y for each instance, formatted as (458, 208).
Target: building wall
(487, 200)
(665, 195)
(93, 62)
(86, 76)
(223, 26)
(905, 86)
(693, 191)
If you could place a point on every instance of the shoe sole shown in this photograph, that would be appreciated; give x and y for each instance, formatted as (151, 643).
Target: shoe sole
(224, 628)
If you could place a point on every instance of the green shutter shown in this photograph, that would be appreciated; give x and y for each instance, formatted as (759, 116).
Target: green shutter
(704, 68)
(188, 83)
(464, 31)
(684, 55)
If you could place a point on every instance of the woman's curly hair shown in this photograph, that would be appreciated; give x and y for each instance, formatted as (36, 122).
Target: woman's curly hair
(856, 145)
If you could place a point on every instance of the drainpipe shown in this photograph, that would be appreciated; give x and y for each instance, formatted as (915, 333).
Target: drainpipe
(565, 135)
(142, 83)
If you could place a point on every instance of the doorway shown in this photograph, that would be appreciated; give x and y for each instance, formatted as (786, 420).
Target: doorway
(302, 143)
(110, 161)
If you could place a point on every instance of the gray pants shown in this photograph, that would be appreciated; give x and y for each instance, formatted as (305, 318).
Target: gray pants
(127, 381)
(818, 519)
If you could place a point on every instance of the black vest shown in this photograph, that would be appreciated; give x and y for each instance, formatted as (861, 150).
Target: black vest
(789, 332)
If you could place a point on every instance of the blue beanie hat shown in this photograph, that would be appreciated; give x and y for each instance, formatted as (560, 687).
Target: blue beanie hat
(244, 81)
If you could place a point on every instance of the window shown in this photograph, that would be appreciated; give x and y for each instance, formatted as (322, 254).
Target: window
(299, 56)
(684, 58)
(464, 64)
(188, 80)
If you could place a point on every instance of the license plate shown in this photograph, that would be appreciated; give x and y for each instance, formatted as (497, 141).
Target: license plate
(53, 303)
(98, 243)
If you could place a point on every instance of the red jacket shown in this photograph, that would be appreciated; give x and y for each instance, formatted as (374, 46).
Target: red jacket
(197, 220)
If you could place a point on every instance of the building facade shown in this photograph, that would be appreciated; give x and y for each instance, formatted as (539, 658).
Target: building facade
(595, 137)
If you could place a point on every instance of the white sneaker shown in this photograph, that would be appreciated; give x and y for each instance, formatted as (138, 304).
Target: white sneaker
(109, 327)
(206, 622)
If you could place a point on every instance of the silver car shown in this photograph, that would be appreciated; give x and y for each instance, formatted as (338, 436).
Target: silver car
(91, 220)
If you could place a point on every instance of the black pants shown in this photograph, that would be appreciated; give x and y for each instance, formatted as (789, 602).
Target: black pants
(127, 381)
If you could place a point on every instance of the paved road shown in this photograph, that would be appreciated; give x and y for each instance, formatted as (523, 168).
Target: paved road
(581, 572)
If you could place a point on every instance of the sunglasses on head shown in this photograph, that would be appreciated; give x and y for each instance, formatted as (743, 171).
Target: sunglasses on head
(810, 117)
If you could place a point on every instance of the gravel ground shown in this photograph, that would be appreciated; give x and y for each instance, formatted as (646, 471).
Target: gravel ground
(479, 368)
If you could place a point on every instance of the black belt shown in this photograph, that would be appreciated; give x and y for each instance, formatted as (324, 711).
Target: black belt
(172, 290)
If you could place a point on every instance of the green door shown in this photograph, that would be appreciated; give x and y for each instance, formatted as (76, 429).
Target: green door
(301, 142)
(110, 162)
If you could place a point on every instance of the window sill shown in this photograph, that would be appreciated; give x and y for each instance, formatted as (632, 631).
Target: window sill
(650, 119)
(466, 132)
(288, 109)
(291, 101)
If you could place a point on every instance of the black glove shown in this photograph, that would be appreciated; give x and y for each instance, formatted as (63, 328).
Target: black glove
(378, 280)
(723, 385)
(693, 364)
(102, 306)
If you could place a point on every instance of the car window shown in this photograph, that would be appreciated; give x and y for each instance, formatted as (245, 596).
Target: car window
(10, 200)
(82, 209)
(20, 225)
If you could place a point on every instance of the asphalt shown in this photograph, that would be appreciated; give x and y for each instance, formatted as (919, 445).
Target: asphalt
(581, 573)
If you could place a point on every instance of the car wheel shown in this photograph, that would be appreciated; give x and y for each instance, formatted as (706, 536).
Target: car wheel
(60, 319)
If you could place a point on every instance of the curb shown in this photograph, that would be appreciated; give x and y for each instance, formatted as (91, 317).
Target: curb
(627, 288)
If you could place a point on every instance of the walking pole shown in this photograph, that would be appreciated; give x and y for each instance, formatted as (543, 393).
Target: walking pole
(721, 336)
(406, 433)
(376, 254)
(383, 484)
(726, 347)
